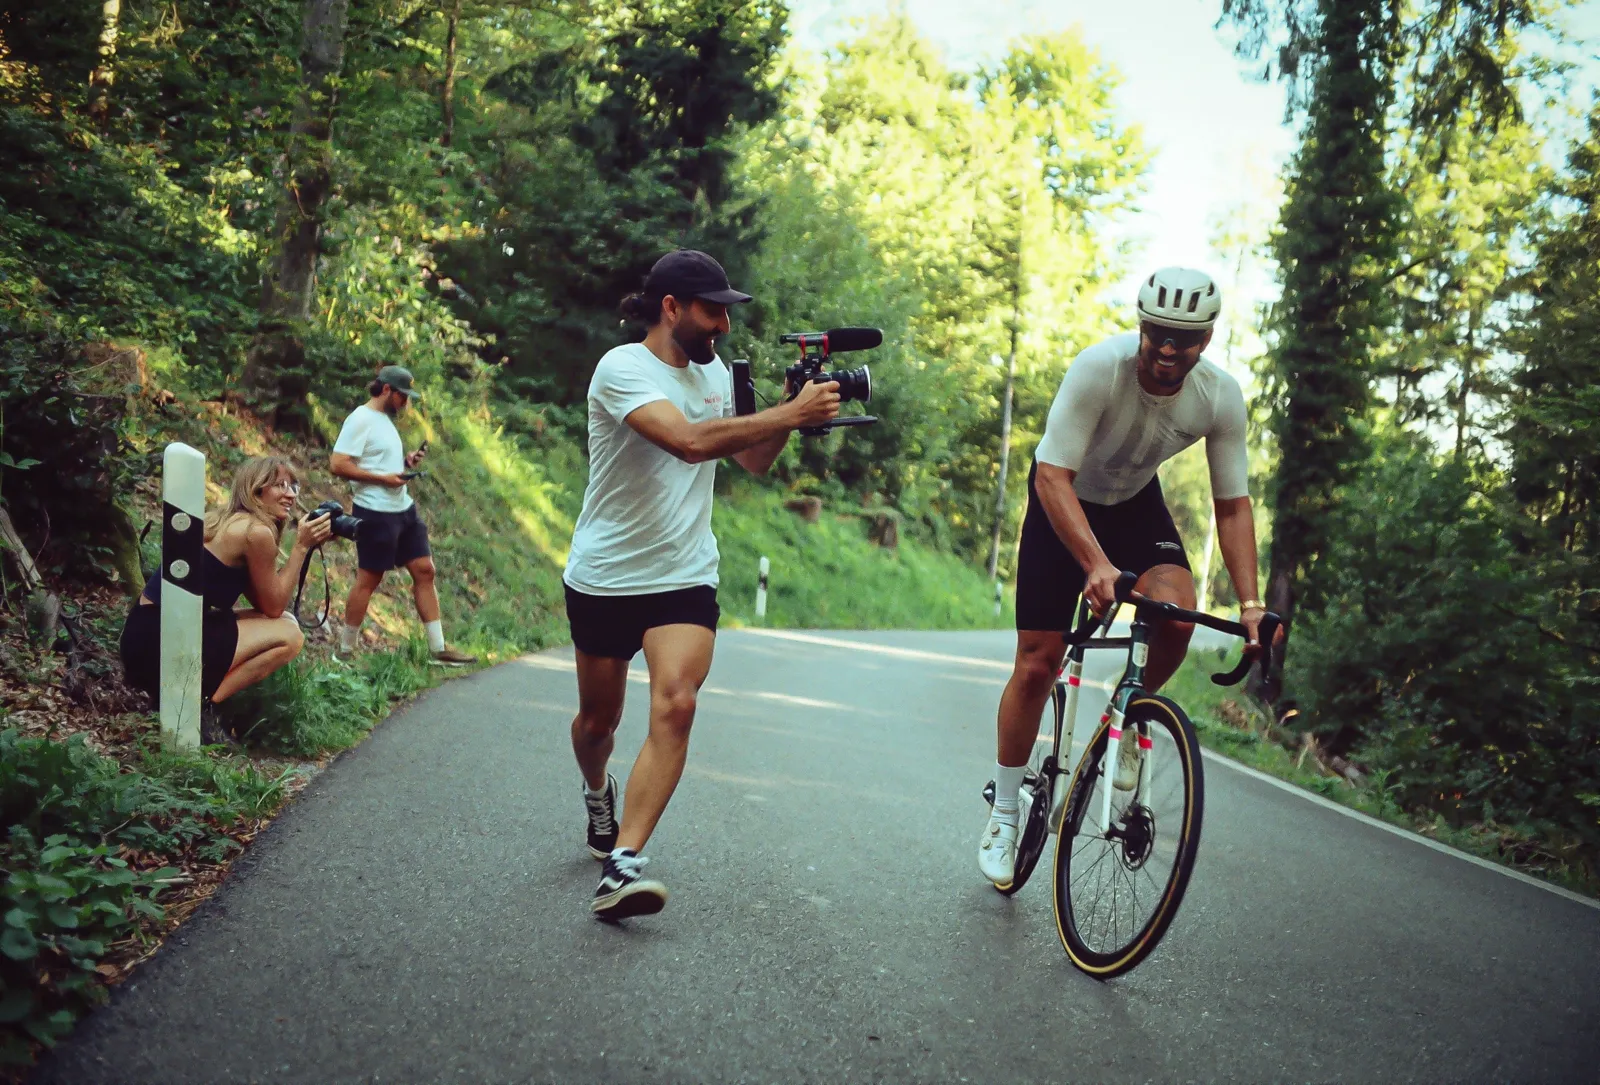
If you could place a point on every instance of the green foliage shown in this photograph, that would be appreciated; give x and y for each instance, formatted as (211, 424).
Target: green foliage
(828, 576)
(1443, 657)
(65, 904)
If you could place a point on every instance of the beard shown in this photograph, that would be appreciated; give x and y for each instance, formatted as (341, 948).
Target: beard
(696, 344)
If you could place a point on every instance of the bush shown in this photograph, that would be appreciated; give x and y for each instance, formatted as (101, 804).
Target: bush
(65, 905)
(1439, 654)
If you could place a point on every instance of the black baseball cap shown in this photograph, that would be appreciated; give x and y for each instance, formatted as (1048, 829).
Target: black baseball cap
(398, 377)
(688, 273)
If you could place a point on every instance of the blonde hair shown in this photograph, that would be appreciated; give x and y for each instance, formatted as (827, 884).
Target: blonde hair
(253, 476)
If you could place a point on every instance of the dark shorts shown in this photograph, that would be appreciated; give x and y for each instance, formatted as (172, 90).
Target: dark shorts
(1136, 535)
(141, 648)
(614, 625)
(389, 540)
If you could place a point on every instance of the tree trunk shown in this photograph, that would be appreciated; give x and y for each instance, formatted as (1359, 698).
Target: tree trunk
(104, 72)
(275, 377)
(448, 94)
(1011, 382)
(1337, 242)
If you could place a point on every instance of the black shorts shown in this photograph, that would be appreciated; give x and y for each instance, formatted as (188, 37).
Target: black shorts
(614, 625)
(389, 540)
(1136, 535)
(141, 648)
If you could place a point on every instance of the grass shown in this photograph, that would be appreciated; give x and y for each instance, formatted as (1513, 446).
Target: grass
(1231, 724)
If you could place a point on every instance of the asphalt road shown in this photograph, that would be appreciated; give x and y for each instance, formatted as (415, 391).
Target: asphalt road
(421, 914)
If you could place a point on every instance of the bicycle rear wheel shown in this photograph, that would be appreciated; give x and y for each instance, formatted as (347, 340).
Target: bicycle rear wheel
(1036, 795)
(1116, 890)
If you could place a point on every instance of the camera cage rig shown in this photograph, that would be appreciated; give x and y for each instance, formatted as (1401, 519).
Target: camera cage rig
(815, 349)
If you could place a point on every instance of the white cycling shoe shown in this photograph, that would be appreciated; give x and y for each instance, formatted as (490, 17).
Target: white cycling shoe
(997, 851)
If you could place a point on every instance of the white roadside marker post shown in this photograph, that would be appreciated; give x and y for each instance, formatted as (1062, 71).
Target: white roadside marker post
(998, 592)
(761, 588)
(183, 511)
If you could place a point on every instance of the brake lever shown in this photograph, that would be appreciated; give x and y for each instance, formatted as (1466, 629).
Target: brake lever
(1268, 633)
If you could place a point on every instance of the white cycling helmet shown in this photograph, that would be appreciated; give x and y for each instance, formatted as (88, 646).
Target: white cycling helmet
(1180, 297)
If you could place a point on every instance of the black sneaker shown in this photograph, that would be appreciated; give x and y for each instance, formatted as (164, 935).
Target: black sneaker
(623, 892)
(602, 819)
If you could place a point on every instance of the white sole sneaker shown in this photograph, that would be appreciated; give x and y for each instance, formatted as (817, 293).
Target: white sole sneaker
(643, 896)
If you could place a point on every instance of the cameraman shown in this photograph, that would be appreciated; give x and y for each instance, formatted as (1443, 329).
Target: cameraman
(643, 566)
(370, 454)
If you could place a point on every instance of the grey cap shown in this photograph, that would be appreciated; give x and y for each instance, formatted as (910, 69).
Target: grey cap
(399, 378)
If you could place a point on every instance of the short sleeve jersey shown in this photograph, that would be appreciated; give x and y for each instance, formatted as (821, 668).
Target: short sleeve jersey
(646, 520)
(1114, 434)
(370, 438)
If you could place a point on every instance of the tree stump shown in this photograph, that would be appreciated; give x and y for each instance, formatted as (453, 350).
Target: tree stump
(885, 528)
(808, 509)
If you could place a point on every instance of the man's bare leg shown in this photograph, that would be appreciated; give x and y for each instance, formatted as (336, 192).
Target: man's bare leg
(1170, 641)
(602, 683)
(1033, 675)
(679, 657)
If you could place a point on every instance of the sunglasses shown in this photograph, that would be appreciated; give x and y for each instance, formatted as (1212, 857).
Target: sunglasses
(1181, 339)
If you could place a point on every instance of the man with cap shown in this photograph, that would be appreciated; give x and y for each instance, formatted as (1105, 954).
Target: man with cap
(370, 454)
(642, 573)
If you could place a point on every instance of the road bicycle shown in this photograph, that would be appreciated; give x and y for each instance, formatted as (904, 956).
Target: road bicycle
(1127, 827)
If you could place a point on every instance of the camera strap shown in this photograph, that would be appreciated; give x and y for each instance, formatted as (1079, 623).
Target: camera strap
(327, 593)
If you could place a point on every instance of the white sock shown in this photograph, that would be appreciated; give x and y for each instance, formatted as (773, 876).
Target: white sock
(594, 793)
(435, 635)
(348, 635)
(1007, 791)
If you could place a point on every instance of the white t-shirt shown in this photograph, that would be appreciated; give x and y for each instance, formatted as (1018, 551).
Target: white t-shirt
(369, 438)
(646, 520)
(1107, 428)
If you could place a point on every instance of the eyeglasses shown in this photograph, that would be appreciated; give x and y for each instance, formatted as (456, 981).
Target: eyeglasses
(288, 486)
(1180, 339)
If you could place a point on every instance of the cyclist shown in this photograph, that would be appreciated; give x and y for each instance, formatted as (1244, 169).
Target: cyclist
(1095, 508)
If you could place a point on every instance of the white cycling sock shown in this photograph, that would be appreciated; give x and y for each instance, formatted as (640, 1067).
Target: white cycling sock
(1007, 791)
(435, 630)
(347, 636)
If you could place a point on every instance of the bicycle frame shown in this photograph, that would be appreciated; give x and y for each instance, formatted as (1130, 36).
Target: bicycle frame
(1137, 642)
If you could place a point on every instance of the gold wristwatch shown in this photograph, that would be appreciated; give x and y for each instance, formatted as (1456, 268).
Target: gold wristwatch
(1251, 604)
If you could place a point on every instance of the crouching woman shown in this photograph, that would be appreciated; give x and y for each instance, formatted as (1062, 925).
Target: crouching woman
(242, 545)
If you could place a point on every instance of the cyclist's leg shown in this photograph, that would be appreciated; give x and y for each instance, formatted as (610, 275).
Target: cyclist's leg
(1169, 642)
(1139, 536)
(1048, 583)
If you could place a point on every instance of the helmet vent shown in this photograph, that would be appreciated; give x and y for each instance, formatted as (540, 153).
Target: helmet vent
(1161, 299)
(1194, 300)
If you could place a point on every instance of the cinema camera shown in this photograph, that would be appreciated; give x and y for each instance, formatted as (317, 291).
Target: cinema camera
(815, 349)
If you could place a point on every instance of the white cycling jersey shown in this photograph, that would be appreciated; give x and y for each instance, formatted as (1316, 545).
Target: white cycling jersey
(1115, 435)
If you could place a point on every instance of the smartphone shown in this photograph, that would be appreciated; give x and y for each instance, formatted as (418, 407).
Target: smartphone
(423, 447)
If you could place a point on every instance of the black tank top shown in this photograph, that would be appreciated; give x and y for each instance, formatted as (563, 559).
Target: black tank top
(221, 584)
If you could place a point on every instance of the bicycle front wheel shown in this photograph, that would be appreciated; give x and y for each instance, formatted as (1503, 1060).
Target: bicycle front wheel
(1118, 884)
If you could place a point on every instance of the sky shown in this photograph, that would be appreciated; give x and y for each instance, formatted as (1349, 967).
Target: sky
(1218, 134)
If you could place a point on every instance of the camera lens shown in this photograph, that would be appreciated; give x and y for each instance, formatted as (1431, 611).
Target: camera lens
(854, 384)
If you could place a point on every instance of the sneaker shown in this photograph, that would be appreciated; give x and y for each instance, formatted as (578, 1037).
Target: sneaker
(602, 819)
(623, 892)
(452, 658)
(997, 851)
(1129, 760)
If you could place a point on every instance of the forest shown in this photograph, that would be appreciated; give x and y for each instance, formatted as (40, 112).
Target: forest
(242, 209)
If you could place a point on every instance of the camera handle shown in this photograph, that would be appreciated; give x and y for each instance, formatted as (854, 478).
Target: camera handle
(846, 420)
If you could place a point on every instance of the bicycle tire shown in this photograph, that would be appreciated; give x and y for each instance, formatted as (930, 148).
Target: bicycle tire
(1036, 830)
(1138, 838)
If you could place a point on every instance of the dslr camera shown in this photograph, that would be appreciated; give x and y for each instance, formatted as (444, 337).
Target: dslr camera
(815, 350)
(344, 525)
